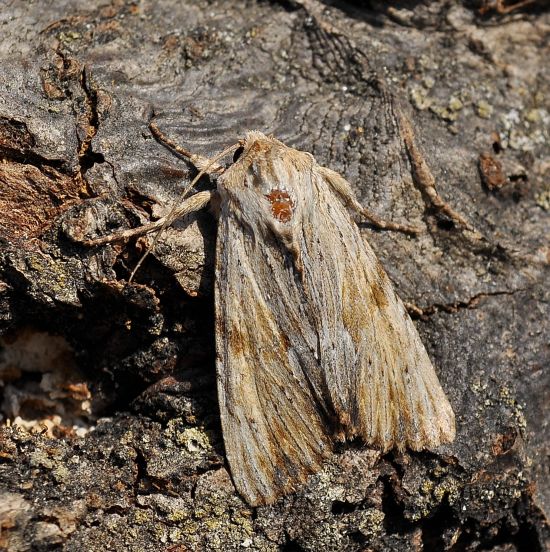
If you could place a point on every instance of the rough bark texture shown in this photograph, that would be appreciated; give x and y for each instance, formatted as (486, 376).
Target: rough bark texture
(79, 83)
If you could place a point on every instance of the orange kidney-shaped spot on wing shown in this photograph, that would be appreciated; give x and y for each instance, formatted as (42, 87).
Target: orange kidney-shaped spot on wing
(281, 205)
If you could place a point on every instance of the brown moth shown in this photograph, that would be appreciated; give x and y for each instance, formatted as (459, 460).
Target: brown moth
(313, 344)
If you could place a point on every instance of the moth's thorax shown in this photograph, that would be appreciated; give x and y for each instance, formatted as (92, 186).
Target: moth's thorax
(270, 173)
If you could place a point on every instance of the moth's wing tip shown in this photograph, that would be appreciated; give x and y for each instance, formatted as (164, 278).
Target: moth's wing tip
(448, 436)
(445, 436)
(268, 499)
(256, 501)
(257, 497)
(447, 427)
(429, 439)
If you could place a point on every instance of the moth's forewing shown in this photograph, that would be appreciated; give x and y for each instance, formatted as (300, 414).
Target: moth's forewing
(389, 391)
(311, 337)
(270, 384)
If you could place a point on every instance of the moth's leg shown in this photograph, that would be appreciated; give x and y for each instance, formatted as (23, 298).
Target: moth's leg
(341, 186)
(388, 225)
(502, 9)
(200, 162)
(425, 180)
(190, 205)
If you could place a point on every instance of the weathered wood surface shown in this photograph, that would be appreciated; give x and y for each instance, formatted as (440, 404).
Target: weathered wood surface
(78, 86)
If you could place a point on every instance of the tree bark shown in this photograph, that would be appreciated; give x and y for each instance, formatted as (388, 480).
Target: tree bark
(437, 113)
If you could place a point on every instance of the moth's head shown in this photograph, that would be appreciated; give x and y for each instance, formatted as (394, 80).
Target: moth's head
(254, 144)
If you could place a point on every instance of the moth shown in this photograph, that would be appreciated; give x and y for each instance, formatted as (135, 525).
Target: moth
(313, 345)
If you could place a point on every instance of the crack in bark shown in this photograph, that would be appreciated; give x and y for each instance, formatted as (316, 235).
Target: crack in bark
(87, 157)
(16, 143)
(417, 312)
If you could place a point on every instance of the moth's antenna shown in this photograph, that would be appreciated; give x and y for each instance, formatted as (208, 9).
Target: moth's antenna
(182, 196)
